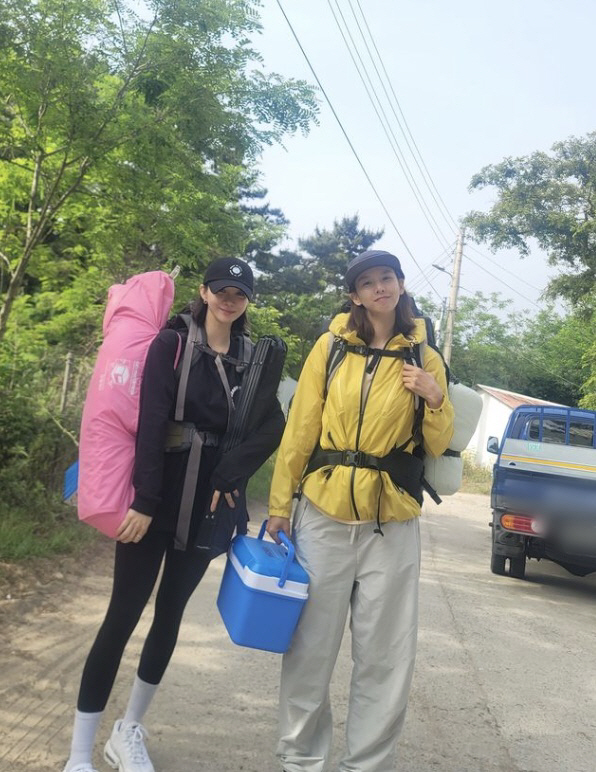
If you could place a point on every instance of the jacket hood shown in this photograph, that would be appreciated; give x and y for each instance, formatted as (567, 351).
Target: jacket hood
(339, 327)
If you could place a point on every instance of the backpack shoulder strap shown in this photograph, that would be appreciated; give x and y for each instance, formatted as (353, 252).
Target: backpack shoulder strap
(418, 352)
(245, 352)
(195, 347)
(338, 348)
(336, 352)
(419, 355)
(195, 335)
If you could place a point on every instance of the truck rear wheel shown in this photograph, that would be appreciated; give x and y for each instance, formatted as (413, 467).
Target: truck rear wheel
(517, 567)
(497, 564)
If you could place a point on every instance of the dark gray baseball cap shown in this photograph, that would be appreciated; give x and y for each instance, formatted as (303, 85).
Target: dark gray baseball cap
(372, 258)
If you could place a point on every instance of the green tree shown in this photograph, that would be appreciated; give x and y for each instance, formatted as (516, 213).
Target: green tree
(307, 286)
(552, 357)
(543, 356)
(129, 140)
(483, 340)
(549, 199)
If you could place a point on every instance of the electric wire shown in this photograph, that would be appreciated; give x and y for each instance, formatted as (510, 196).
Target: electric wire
(494, 262)
(352, 148)
(517, 353)
(426, 175)
(436, 197)
(482, 268)
(418, 286)
(442, 259)
(385, 122)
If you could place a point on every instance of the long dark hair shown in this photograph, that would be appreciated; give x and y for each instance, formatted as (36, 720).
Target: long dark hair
(198, 311)
(359, 322)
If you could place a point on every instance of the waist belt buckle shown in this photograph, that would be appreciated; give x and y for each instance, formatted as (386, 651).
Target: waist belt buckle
(210, 440)
(353, 458)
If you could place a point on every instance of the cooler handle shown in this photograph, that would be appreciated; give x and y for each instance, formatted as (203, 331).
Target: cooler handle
(289, 557)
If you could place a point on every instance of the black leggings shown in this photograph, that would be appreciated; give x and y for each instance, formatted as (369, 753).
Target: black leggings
(136, 567)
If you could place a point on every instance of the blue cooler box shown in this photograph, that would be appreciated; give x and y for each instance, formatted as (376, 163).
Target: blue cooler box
(262, 592)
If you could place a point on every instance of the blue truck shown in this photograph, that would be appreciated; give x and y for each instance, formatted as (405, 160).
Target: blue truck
(543, 494)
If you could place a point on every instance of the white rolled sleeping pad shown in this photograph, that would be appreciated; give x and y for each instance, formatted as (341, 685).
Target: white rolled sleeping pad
(444, 474)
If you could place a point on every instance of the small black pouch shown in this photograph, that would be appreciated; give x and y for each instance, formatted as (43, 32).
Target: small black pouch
(217, 528)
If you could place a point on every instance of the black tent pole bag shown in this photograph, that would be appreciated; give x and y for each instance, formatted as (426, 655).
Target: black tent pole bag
(256, 400)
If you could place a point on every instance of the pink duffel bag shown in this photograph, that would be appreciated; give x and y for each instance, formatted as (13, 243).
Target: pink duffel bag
(135, 313)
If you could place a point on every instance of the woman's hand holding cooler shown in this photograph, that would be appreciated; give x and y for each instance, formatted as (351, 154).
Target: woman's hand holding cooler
(275, 524)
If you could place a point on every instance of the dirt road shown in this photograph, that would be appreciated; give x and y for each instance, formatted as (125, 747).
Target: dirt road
(505, 678)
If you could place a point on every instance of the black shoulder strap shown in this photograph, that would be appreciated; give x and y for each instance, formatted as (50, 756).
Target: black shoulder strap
(338, 348)
(195, 334)
(335, 356)
(196, 346)
(246, 348)
(417, 352)
(414, 356)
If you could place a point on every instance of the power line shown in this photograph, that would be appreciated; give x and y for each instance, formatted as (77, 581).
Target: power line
(427, 178)
(385, 122)
(443, 258)
(518, 353)
(482, 268)
(494, 262)
(352, 148)
(418, 284)
(459, 284)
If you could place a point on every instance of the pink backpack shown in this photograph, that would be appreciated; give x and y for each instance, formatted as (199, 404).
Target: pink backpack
(136, 311)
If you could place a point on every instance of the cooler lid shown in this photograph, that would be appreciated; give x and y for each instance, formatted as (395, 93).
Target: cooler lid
(266, 558)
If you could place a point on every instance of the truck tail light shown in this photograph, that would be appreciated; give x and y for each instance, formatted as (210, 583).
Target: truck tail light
(522, 524)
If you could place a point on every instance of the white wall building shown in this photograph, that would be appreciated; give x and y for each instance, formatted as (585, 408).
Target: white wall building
(286, 390)
(498, 404)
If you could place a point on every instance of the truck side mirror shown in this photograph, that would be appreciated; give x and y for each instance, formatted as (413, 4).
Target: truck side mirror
(493, 445)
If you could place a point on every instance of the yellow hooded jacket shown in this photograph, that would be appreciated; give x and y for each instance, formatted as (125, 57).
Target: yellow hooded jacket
(355, 493)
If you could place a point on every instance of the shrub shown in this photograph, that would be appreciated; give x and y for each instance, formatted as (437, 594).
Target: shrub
(476, 478)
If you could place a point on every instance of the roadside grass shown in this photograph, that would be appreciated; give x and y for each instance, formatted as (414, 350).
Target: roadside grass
(58, 532)
(476, 478)
(260, 482)
(24, 536)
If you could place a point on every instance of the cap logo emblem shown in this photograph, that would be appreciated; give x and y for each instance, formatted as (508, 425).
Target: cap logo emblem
(236, 270)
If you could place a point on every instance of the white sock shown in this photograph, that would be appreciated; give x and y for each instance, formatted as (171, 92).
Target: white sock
(83, 738)
(140, 699)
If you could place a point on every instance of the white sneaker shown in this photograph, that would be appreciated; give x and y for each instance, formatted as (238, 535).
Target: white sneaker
(125, 750)
(86, 767)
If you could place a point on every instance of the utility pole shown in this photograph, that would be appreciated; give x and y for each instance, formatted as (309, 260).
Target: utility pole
(439, 324)
(448, 345)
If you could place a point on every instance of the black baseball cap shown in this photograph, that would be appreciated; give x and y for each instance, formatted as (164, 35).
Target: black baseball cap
(372, 258)
(229, 272)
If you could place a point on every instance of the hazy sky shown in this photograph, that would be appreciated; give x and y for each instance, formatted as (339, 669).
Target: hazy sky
(477, 81)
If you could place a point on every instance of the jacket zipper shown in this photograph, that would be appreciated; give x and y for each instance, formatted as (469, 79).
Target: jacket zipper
(327, 474)
(363, 404)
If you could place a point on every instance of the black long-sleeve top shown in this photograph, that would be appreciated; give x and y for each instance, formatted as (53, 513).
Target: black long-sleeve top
(158, 476)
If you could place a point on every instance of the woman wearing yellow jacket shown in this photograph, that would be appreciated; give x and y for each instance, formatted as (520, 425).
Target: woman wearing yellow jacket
(348, 445)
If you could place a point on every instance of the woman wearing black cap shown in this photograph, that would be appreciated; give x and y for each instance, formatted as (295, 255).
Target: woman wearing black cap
(160, 527)
(350, 447)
